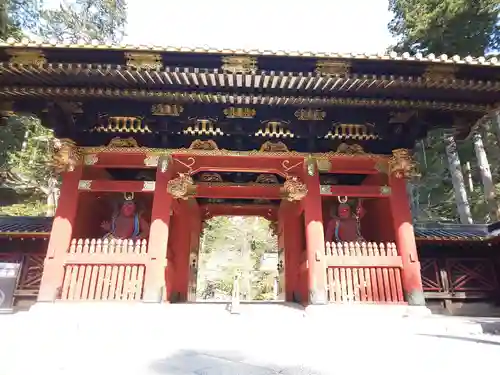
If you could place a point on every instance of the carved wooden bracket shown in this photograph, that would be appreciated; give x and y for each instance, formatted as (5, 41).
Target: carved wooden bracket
(293, 189)
(402, 165)
(66, 155)
(181, 187)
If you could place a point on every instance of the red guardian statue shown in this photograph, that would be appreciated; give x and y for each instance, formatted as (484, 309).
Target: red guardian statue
(345, 226)
(127, 222)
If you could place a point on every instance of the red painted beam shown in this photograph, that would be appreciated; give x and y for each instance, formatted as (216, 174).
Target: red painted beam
(206, 190)
(234, 163)
(116, 186)
(117, 160)
(353, 164)
(362, 191)
(264, 210)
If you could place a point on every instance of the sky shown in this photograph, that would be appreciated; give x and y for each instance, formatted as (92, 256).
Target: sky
(358, 26)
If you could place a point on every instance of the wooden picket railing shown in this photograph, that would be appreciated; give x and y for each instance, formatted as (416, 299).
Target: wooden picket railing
(100, 270)
(363, 272)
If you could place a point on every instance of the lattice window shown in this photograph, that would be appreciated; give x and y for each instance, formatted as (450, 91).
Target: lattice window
(431, 281)
(31, 274)
(474, 274)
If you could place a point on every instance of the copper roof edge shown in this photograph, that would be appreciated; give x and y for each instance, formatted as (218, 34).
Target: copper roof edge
(392, 56)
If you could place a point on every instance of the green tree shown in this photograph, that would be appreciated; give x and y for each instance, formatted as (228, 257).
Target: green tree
(462, 27)
(452, 27)
(27, 184)
(85, 20)
(235, 245)
(18, 17)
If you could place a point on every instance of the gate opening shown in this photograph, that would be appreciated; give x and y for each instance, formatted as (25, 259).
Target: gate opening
(239, 254)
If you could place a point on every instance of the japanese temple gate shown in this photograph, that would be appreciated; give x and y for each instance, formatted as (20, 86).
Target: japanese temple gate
(152, 142)
(158, 268)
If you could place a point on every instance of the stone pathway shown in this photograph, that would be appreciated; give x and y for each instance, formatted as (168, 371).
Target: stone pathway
(157, 342)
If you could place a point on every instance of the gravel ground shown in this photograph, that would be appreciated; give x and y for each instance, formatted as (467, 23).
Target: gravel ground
(142, 341)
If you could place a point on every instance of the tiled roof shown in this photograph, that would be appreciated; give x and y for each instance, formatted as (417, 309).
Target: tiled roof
(22, 226)
(430, 58)
(456, 232)
(41, 226)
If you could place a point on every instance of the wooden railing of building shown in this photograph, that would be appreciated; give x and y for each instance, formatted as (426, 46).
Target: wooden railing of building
(363, 272)
(94, 272)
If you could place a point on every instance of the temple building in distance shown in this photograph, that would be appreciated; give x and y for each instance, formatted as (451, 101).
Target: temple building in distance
(154, 141)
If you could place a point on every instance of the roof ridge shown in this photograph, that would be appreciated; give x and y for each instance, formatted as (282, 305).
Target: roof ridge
(394, 56)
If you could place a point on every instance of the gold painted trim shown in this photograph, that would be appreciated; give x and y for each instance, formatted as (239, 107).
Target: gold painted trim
(151, 160)
(198, 97)
(222, 152)
(149, 186)
(84, 184)
(90, 159)
(325, 189)
(385, 190)
(25, 233)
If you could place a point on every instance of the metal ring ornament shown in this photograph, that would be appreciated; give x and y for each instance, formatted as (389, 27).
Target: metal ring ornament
(342, 199)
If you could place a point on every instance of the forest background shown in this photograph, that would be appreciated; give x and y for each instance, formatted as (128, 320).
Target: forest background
(458, 183)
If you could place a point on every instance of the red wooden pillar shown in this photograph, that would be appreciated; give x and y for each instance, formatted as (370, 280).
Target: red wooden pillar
(405, 241)
(60, 237)
(289, 220)
(156, 269)
(315, 237)
(181, 251)
(194, 249)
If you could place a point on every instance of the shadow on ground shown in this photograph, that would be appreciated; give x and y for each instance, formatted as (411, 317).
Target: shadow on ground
(462, 338)
(221, 363)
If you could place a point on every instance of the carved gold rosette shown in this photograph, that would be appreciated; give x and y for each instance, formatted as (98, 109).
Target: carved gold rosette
(181, 187)
(66, 155)
(293, 189)
(402, 165)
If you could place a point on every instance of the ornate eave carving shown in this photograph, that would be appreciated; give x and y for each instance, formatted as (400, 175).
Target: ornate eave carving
(239, 64)
(203, 126)
(353, 131)
(307, 114)
(440, 72)
(269, 146)
(26, 57)
(208, 145)
(238, 112)
(333, 68)
(355, 149)
(143, 60)
(275, 129)
(166, 109)
(118, 142)
(122, 124)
